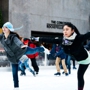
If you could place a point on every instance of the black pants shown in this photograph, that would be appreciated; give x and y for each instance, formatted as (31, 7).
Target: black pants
(73, 60)
(80, 75)
(34, 65)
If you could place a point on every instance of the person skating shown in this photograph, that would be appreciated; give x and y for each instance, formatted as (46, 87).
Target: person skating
(15, 49)
(24, 64)
(32, 57)
(73, 45)
(58, 52)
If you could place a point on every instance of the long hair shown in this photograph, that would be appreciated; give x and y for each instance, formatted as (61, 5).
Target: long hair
(17, 35)
(73, 27)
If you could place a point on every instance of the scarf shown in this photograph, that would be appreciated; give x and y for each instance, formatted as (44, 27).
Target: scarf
(69, 40)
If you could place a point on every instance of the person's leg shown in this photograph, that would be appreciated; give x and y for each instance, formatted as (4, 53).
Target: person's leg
(64, 67)
(73, 60)
(34, 65)
(33, 50)
(19, 69)
(22, 67)
(80, 76)
(57, 66)
(28, 67)
(66, 60)
(68, 63)
(15, 75)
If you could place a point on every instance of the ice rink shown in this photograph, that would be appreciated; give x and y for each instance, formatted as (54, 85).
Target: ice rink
(45, 80)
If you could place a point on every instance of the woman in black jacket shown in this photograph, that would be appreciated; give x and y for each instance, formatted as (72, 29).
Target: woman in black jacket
(72, 43)
(14, 49)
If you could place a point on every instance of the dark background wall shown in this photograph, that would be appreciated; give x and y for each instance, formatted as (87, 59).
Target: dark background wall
(4, 7)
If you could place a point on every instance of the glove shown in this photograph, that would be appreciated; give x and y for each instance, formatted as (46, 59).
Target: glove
(45, 50)
(37, 39)
(34, 38)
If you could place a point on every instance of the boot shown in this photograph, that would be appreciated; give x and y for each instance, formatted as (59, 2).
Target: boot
(23, 73)
(16, 89)
(80, 88)
(57, 74)
(66, 74)
(74, 67)
(36, 73)
(32, 72)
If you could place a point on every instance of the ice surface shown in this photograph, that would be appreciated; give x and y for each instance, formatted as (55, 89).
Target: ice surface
(45, 80)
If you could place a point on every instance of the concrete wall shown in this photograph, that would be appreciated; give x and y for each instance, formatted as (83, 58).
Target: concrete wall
(35, 14)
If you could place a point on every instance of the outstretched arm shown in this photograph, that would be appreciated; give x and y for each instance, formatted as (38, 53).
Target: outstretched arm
(85, 37)
(49, 40)
(19, 43)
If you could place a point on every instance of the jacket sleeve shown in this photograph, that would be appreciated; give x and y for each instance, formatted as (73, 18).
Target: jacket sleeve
(53, 51)
(1, 35)
(84, 37)
(87, 46)
(50, 40)
(32, 45)
(18, 42)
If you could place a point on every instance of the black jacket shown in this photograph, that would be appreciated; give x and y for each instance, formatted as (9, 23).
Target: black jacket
(76, 49)
(12, 46)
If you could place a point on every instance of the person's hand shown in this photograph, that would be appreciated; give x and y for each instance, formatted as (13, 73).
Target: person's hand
(24, 46)
(2, 50)
(37, 57)
(34, 38)
(37, 39)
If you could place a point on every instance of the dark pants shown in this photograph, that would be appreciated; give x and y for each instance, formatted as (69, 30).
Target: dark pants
(34, 65)
(80, 75)
(73, 61)
(68, 58)
(15, 75)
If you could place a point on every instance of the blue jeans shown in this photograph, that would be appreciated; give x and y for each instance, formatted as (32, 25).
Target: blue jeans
(15, 75)
(21, 67)
(25, 63)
